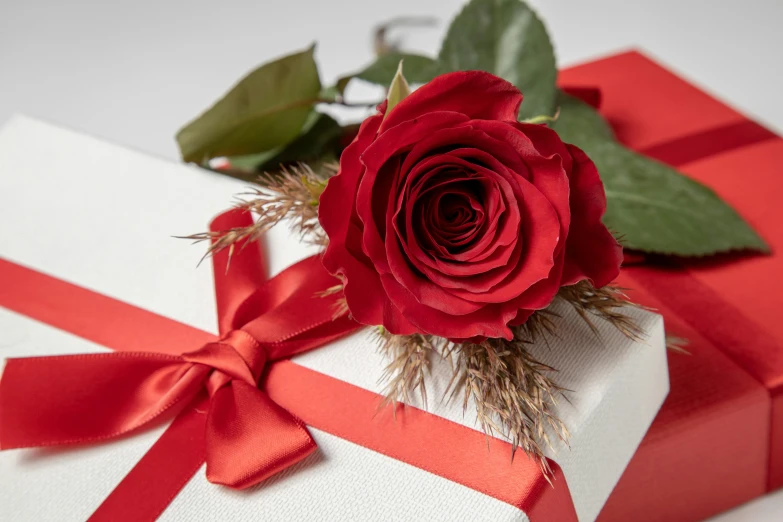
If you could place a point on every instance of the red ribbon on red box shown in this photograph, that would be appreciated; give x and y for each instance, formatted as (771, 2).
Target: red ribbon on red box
(244, 434)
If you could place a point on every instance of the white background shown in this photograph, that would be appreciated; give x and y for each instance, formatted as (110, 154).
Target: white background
(133, 71)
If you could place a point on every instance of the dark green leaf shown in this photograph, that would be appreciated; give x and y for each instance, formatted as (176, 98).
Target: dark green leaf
(657, 209)
(320, 137)
(418, 69)
(505, 38)
(651, 206)
(266, 109)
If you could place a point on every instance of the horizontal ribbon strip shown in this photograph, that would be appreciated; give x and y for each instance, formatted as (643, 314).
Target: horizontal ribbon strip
(702, 145)
(418, 438)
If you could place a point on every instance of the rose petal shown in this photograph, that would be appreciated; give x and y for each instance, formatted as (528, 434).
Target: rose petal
(540, 295)
(411, 185)
(439, 268)
(371, 201)
(423, 290)
(425, 227)
(342, 257)
(478, 277)
(548, 160)
(488, 321)
(592, 252)
(495, 207)
(400, 267)
(521, 317)
(540, 229)
(477, 94)
(460, 136)
(401, 138)
(366, 299)
(454, 216)
(547, 142)
(446, 222)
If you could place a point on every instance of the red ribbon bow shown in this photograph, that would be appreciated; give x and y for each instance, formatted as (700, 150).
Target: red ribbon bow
(85, 398)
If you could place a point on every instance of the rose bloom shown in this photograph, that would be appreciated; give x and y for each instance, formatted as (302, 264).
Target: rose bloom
(449, 217)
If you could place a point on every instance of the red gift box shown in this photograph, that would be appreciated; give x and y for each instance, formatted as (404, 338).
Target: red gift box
(718, 440)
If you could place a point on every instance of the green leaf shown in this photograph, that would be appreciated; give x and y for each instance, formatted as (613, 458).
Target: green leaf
(657, 209)
(579, 123)
(320, 137)
(418, 69)
(266, 109)
(398, 90)
(505, 38)
(329, 94)
(651, 206)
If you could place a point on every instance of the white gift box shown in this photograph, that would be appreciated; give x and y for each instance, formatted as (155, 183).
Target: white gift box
(102, 217)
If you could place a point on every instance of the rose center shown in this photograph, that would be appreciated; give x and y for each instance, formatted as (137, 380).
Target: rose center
(450, 215)
(455, 209)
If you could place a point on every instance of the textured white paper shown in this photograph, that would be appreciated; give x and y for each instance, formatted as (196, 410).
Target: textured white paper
(103, 217)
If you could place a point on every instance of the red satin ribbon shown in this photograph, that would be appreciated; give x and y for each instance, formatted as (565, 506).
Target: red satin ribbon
(701, 145)
(415, 437)
(589, 95)
(78, 399)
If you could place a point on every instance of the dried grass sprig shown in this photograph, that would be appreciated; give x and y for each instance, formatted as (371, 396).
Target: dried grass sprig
(677, 344)
(341, 304)
(291, 194)
(410, 358)
(606, 303)
(513, 393)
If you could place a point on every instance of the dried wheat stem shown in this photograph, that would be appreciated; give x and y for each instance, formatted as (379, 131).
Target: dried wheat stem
(514, 394)
(410, 358)
(290, 194)
(606, 303)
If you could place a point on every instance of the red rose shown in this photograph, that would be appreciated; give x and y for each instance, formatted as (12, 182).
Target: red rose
(449, 217)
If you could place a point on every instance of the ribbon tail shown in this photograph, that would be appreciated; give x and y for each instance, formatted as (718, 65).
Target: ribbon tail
(250, 438)
(76, 399)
